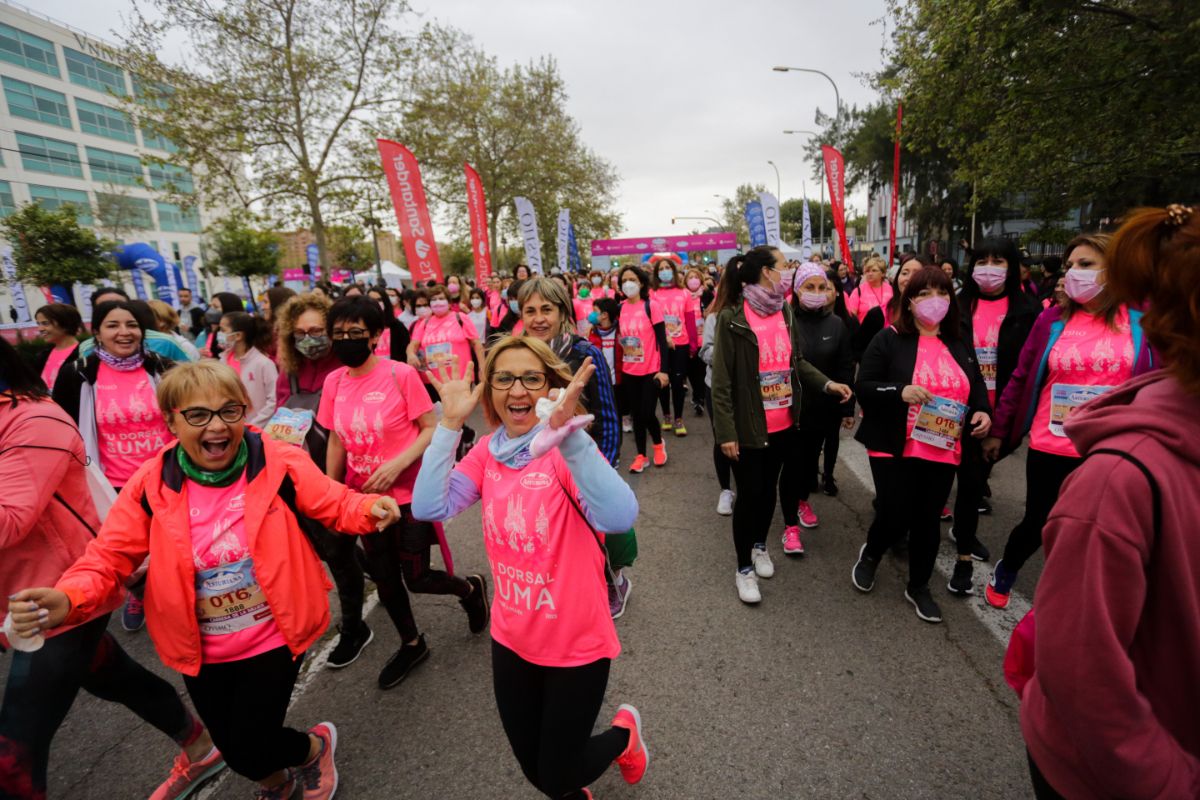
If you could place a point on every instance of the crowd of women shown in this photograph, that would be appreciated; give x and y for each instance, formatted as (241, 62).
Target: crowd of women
(198, 467)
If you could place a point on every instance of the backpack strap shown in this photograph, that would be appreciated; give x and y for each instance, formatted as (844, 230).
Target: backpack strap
(1155, 493)
(294, 383)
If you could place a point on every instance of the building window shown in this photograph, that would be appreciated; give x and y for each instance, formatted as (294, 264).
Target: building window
(118, 212)
(173, 218)
(152, 138)
(94, 73)
(52, 197)
(169, 176)
(35, 103)
(25, 50)
(39, 154)
(7, 204)
(110, 167)
(104, 121)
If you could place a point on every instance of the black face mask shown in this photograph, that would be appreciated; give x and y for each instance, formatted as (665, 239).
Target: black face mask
(352, 352)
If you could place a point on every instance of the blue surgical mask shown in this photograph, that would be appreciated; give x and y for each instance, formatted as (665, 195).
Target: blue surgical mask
(515, 306)
(666, 276)
(594, 318)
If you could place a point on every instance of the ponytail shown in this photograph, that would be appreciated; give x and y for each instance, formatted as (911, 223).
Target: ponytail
(256, 330)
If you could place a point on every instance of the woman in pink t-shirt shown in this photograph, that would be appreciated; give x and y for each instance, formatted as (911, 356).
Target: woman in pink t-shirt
(679, 317)
(872, 292)
(444, 334)
(693, 284)
(921, 393)
(545, 490)
(643, 339)
(58, 324)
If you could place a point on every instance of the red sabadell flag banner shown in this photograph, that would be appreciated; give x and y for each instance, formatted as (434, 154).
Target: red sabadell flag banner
(412, 214)
(477, 212)
(835, 176)
(895, 189)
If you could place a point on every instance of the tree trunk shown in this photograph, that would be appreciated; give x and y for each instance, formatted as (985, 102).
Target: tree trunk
(318, 231)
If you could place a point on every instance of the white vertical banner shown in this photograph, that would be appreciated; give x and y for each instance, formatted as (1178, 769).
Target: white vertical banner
(16, 289)
(770, 209)
(806, 246)
(527, 220)
(564, 239)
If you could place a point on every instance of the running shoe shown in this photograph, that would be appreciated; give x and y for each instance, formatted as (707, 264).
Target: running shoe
(831, 487)
(808, 517)
(350, 646)
(699, 409)
(999, 586)
(863, 574)
(747, 587)
(639, 464)
(402, 663)
(667, 424)
(618, 595)
(725, 503)
(680, 429)
(320, 776)
(635, 758)
(762, 561)
(283, 791)
(792, 545)
(979, 551)
(587, 793)
(133, 615)
(626, 425)
(187, 776)
(660, 455)
(946, 515)
(476, 604)
(961, 582)
(985, 507)
(923, 602)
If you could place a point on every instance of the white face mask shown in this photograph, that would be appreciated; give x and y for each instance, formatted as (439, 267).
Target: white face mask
(631, 289)
(423, 311)
(476, 302)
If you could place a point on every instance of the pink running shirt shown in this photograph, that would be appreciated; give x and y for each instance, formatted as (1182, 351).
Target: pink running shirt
(937, 371)
(639, 347)
(1088, 360)
(129, 427)
(582, 307)
(384, 346)
(54, 361)
(438, 338)
(375, 415)
(550, 605)
(774, 367)
(985, 327)
(675, 305)
(865, 297)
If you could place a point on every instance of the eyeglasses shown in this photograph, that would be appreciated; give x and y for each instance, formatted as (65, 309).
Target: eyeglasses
(199, 417)
(313, 332)
(532, 381)
(352, 333)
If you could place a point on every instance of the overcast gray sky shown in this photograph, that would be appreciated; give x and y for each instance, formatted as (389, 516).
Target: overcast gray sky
(680, 96)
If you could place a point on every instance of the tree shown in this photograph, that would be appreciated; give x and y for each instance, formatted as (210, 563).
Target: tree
(51, 247)
(733, 210)
(240, 248)
(512, 126)
(272, 94)
(349, 248)
(791, 218)
(119, 214)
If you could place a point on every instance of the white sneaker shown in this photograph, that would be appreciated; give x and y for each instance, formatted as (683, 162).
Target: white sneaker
(762, 562)
(725, 503)
(747, 586)
(626, 425)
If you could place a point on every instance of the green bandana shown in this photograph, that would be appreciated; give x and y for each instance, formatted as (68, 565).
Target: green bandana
(223, 478)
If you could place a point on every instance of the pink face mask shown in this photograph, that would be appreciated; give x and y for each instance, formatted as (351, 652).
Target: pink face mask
(813, 301)
(1081, 284)
(693, 284)
(930, 311)
(990, 279)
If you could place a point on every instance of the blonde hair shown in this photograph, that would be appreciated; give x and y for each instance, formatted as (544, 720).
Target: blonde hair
(184, 381)
(875, 261)
(553, 291)
(166, 317)
(1110, 303)
(558, 374)
(286, 317)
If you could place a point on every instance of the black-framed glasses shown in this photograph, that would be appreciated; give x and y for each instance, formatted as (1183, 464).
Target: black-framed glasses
(352, 333)
(532, 381)
(199, 417)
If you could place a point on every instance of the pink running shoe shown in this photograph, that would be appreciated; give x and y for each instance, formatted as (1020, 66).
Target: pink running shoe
(282, 791)
(792, 545)
(187, 776)
(808, 517)
(634, 760)
(320, 776)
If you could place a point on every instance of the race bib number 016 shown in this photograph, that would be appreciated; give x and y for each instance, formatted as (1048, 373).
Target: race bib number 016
(229, 599)
(435, 355)
(987, 366)
(1065, 398)
(939, 423)
(290, 425)
(776, 388)
(631, 350)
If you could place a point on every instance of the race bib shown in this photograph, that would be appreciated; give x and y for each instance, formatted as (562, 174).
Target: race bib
(229, 599)
(290, 425)
(939, 423)
(631, 350)
(987, 365)
(1065, 398)
(674, 326)
(776, 388)
(435, 355)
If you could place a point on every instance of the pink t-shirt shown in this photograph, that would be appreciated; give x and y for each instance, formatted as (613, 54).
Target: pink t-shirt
(129, 427)
(675, 303)
(550, 605)
(774, 367)
(865, 297)
(438, 338)
(232, 360)
(639, 346)
(944, 420)
(1088, 360)
(235, 620)
(583, 306)
(54, 362)
(384, 346)
(375, 415)
(985, 328)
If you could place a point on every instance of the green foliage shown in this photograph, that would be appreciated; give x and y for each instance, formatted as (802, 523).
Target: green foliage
(52, 247)
(791, 219)
(457, 257)
(238, 247)
(733, 210)
(349, 247)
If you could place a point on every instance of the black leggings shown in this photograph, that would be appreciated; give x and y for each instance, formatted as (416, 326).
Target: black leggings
(720, 460)
(244, 704)
(695, 373)
(341, 554)
(973, 474)
(1044, 476)
(41, 689)
(909, 495)
(399, 556)
(757, 471)
(548, 714)
(675, 363)
(640, 391)
(810, 440)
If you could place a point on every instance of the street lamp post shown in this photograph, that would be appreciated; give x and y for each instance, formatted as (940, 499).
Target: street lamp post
(837, 95)
(814, 133)
(709, 219)
(778, 185)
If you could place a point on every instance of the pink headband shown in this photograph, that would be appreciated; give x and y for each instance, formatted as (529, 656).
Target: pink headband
(806, 271)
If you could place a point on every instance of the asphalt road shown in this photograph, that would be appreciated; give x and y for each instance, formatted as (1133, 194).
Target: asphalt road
(819, 692)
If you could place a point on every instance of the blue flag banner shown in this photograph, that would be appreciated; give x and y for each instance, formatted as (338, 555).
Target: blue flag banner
(757, 223)
(139, 285)
(249, 294)
(576, 262)
(189, 273)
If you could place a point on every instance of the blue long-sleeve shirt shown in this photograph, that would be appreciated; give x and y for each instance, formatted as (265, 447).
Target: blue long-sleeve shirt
(601, 401)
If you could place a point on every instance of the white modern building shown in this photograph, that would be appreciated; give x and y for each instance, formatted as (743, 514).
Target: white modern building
(65, 139)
